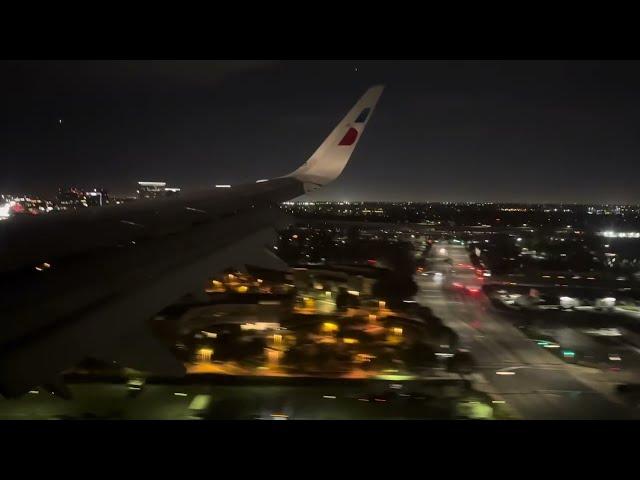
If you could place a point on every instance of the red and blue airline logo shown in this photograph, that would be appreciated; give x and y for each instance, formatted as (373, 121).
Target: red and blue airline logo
(352, 134)
(350, 137)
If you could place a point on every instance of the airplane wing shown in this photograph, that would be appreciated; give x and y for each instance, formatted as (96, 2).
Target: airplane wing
(81, 284)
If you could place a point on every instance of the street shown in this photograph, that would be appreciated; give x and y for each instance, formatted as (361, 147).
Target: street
(533, 382)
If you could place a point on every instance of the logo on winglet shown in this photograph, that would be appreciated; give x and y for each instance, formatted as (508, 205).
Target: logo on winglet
(350, 137)
(363, 115)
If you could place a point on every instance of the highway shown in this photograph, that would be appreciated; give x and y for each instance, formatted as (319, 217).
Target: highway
(535, 384)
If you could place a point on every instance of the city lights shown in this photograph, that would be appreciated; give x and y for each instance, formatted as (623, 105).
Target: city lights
(209, 301)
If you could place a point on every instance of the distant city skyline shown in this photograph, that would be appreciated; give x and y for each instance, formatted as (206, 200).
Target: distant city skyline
(501, 131)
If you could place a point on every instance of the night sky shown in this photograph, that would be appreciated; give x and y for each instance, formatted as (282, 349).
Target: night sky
(530, 131)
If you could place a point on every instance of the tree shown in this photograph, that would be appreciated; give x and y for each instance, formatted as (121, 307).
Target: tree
(461, 363)
(384, 360)
(230, 344)
(345, 300)
(251, 352)
(329, 359)
(396, 283)
(418, 356)
(297, 358)
(440, 334)
(395, 287)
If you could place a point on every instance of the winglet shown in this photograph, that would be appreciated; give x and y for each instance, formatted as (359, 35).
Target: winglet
(328, 161)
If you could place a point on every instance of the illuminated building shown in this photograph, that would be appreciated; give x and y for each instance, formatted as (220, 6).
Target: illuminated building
(155, 190)
(71, 198)
(151, 189)
(96, 198)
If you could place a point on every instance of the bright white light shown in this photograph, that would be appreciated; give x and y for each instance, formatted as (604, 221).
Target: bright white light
(604, 332)
(507, 372)
(5, 211)
(180, 394)
(612, 234)
(223, 186)
(260, 326)
(152, 184)
(262, 180)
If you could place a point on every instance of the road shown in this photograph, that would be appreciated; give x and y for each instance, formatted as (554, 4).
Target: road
(166, 402)
(533, 382)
